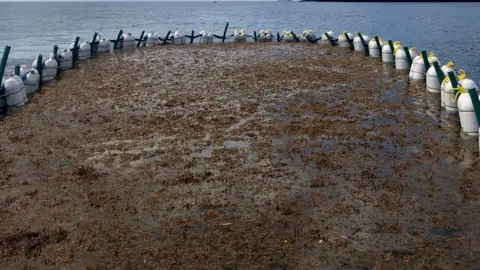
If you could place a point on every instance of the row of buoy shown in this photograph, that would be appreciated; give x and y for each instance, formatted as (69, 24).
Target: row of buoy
(455, 94)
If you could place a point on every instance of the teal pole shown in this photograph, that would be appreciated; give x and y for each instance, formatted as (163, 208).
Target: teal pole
(166, 37)
(409, 57)
(17, 69)
(439, 71)
(255, 36)
(55, 50)
(365, 46)
(93, 44)
(425, 60)
(330, 39)
(476, 103)
(75, 51)
(350, 42)
(379, 47)
(140, 39)
(115, 45)
(192, 37)
(39, 67)
(390, 43)
(453, 81)
(3, 64)
(225, 32)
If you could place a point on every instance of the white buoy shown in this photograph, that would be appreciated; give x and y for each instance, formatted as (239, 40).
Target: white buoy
(22, 88)
(448, 96)
(387, 54)
(49, 70)
(342, 40)
(152, 40)
(239, 35)
(32, 81)
(433, 84)
(358, 44)
(466, 112)
(401, 61)
(104, 45)
(287, 36)
(309, 35)
(84, 52)
(14, 91)
(179, 38)
(265, 36)
(418, 70)
(128, 41)
(373, 48)
(66, 59)
(325, 39)
(23, 71)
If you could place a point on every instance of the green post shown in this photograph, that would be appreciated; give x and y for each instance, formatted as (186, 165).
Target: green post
(192, 37)
(39, 67)
(278, 37)
(3, 64)
(475, 103)
(377, 40)
(439, 71)
(365, 46)
(453, 81)
(255, 35)
(425, 60)
(390, 43)
(225, 32)
(350, 42)
(17, 69)
(409, 57)
(140, 39)
(119, 36)
(93, 44)
(55, 50)
(75, 51)
(166, 37)
(294, 36)
(330, 38)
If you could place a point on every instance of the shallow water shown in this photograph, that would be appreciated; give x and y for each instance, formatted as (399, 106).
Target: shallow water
(449, 29)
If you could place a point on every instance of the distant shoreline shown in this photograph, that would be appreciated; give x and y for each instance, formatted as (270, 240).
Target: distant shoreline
(395, 1)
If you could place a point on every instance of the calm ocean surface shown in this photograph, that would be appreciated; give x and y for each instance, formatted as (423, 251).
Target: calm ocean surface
(451, 30)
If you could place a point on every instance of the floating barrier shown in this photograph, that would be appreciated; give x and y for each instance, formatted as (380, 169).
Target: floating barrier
(456, 94)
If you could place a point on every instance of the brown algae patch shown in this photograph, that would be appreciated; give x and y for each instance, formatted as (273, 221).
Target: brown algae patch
(235, 156)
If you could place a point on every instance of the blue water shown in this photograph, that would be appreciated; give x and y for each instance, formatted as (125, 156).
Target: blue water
(451, 30)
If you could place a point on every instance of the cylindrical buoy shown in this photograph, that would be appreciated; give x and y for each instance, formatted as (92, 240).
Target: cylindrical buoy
(104, 45)
(373, 48)
(387, 54)
(309, 35)
(239, 35)
(401, 61)
(287, 36)
(66, 59)
(84, 52)
(448, 99)
(152, 40)
(466, 111)
(418, 70)
(433, 82)
(20, 83)
(265, 36)
(358, 44)
(343, 41)
(14, 91)
(49, 69)
(129, 41)
(32, 81)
